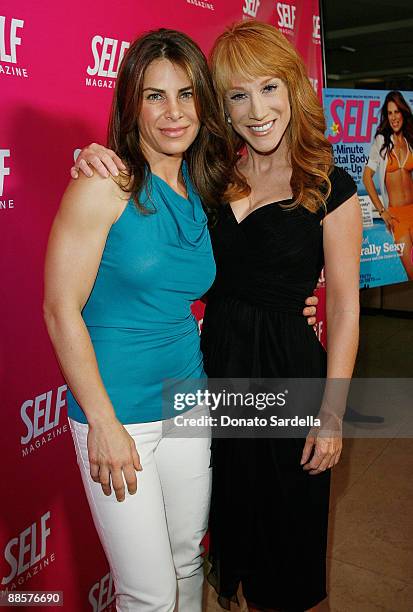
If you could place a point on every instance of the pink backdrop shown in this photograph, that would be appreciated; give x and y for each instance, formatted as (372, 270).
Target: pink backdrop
(58, 63)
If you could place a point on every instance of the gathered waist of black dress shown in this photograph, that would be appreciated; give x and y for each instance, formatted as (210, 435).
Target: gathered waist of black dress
(292, 305)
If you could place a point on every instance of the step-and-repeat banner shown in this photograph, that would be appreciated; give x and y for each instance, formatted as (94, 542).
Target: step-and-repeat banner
(353, 117)
(58, 67)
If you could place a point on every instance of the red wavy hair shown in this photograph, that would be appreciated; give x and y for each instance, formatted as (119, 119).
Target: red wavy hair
(250, 50)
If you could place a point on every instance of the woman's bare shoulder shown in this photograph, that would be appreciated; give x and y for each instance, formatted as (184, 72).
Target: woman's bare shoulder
(95, 197)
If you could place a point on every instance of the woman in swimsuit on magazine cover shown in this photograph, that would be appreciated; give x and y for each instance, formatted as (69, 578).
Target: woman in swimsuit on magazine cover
(391, 156)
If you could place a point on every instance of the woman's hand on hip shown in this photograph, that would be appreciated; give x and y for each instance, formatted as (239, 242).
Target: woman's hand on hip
(310, 309)
(113, 458)
(96, 156)
(389, 220)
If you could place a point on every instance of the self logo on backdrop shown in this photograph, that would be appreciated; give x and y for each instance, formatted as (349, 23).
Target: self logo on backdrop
(251, 8)
(286, 17)
(316, 30)
(286, 21)
(10, 40)
(27, 553)
(317, 41)
(5, 203)
(107, 55)
(201, 4)
(102, 595)
(41, 417)
(314, 83)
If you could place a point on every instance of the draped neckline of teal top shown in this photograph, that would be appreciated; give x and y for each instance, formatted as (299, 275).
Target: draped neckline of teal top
(167, 185)
(188, 213)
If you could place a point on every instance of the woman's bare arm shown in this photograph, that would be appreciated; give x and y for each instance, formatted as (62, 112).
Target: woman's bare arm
(342, 235)
(371, 188)
(374, 197)
(76, 243)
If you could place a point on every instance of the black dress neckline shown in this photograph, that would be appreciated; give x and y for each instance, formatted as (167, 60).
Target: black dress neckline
(256, 209)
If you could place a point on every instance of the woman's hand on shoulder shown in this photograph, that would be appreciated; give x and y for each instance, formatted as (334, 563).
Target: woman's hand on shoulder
(98, 157)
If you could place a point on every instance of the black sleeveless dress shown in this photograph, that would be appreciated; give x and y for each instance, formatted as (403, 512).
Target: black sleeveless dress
(268, 520)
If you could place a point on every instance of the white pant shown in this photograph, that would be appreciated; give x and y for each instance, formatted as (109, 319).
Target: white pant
(152, 539)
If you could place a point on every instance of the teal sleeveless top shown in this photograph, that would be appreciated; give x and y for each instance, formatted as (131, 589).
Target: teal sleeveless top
(139, 311)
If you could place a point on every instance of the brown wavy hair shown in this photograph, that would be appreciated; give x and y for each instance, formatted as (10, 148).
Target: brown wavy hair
(211, 157)
(384, 126)
(251, 49)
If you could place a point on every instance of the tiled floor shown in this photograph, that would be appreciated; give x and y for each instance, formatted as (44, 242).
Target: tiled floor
(370, 555)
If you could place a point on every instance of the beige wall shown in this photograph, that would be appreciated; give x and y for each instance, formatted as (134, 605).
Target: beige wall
(391, 297)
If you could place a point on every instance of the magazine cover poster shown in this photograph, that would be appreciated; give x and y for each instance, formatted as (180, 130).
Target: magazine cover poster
(372, 136)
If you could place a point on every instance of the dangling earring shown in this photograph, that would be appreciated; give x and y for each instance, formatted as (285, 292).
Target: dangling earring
(229, 119)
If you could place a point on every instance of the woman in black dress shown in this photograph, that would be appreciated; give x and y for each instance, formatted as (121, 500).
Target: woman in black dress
(270, 498)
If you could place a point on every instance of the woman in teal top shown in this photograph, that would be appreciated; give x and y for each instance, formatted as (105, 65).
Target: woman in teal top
(125, 260)
(138, 314)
